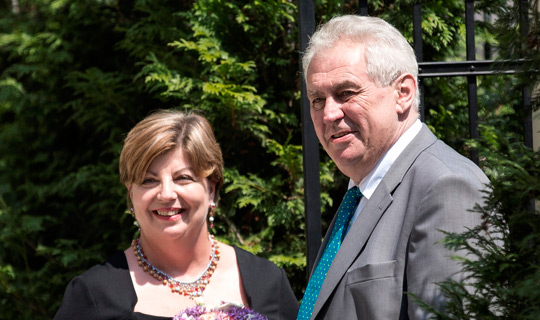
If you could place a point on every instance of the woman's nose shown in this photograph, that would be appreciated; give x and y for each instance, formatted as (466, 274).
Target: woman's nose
(167, 192)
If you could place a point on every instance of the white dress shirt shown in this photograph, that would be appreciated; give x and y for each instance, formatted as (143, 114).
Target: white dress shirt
(370, 182)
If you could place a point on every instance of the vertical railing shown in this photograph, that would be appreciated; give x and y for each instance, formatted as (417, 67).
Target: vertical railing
(312, 188)
(362, 8)
(417, 39)
(472, 88)
(526, 91)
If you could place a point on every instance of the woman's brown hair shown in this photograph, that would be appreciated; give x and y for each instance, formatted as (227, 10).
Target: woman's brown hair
(167, 130)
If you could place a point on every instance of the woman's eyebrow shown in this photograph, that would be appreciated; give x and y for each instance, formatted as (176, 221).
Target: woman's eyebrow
(184, 169)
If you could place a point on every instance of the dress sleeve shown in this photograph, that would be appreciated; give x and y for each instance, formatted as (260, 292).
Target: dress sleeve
(78, 302)
(267, 288)
(103, 292)
(288, 303)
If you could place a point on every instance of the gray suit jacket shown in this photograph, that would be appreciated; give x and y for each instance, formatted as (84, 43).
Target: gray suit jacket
(393, 246)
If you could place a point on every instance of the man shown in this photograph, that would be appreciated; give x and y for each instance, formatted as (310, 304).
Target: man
(362, 85)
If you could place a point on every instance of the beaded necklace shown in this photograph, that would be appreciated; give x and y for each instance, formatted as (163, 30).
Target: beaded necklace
(190, 289)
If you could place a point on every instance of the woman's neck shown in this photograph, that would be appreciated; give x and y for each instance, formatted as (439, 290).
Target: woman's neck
(182, 259)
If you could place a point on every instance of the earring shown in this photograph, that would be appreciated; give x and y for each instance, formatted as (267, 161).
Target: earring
(132, 211)
(211, 218)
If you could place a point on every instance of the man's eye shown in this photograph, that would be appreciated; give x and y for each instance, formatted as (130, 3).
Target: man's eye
(346, 94)
(317, 103)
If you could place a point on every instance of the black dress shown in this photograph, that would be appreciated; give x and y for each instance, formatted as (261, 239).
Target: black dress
(105, 291)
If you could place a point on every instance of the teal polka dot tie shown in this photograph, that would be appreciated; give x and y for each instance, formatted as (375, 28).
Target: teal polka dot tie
(345, 212)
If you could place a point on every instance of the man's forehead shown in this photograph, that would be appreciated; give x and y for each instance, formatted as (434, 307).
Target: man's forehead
(332, 59)
(347, 76)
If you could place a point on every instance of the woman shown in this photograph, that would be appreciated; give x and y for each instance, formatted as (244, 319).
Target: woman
(172, 168)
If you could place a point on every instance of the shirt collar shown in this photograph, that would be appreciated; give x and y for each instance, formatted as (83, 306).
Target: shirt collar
(371, 181)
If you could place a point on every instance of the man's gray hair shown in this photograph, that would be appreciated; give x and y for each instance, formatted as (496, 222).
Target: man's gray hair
(388, 54)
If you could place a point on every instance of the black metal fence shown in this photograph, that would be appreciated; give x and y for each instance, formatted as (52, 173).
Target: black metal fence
(471, 68)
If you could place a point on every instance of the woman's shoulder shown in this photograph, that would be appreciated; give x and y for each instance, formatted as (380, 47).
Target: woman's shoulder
(108, 278)
(255, 270)
(248, 259)
(104, 289)
(112, 268)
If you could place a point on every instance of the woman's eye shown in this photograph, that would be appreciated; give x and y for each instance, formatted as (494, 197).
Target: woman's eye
(184, 178)
(148, 181)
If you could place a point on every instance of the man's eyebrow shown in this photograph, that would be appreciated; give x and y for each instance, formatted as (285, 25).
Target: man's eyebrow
(312, 92)
(346, 85)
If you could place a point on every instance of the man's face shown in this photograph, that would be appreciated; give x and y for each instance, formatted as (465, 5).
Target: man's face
(355, 121)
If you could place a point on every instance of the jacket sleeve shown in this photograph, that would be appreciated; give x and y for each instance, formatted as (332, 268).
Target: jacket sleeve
(445, 207)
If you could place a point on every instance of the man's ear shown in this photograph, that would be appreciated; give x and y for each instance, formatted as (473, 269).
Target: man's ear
(406, 87)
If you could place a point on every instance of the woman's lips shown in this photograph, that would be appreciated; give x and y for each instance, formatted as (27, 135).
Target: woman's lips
(168, 212)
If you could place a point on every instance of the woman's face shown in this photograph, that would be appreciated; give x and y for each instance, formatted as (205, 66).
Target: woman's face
(172, 202)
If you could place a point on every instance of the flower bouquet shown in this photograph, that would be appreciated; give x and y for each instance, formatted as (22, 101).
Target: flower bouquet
(226, 311)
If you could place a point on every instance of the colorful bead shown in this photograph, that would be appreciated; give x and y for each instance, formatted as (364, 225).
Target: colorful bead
(189, 289)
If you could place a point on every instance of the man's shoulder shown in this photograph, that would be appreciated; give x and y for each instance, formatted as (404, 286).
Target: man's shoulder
(435, 155)
(443, 158)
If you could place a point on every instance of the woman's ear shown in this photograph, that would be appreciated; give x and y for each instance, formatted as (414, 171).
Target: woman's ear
(129, 195)
(211, 185)
(212, 190)
(406, 87)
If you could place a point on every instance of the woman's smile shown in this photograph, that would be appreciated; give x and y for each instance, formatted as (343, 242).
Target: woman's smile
(175, 199)
(168, 212)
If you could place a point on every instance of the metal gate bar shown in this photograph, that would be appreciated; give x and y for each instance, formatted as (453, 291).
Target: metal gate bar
(525, 91)
(417, 39)
(472, 88)
(310, 143)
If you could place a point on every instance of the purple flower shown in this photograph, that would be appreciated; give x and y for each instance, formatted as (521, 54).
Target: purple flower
(226, 311)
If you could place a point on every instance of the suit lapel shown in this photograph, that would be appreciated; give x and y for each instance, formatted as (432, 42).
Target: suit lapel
(352, 245)
(369, 217)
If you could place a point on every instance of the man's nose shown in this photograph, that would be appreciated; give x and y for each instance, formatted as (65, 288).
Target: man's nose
(332, 110)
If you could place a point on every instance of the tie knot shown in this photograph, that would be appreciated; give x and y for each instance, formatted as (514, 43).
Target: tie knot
(353, 195)
(347, 208)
